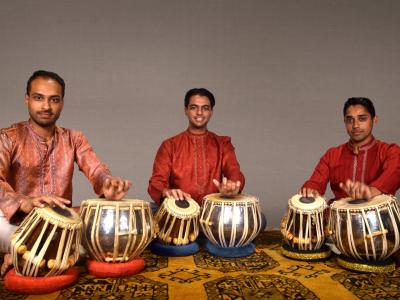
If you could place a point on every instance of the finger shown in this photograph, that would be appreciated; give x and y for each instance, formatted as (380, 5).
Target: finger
(107, 183)
(167, 194)
(180, 194)
(175, 194)
(127, 185)
(216, 183)
(368, 193)
(187, 196)
(229, 186)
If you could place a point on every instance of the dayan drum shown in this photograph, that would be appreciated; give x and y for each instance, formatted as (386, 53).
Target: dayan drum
(231, 222)
(366, 231)
(177, 221)
(116, 231)
(303, 228)
(47, 242)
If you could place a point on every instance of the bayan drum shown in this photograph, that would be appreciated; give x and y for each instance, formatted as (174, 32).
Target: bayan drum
(303, 228)
(230, 224)
(116, 231)
(177, 221)
(367, 232)
(47, 242)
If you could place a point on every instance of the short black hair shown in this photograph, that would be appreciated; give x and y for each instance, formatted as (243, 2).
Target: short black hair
(46, 75)
(367, 103)
(199, 92)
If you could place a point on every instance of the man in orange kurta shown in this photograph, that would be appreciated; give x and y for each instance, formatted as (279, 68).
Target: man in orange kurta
(37, 159)
(361, 168)
(196, 162)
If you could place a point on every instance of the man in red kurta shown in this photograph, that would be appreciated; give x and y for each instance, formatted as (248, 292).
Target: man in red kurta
(196, 162)
(37, 159)
(361, 168)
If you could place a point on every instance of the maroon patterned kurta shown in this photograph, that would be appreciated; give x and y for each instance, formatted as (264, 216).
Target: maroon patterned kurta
(29, 167)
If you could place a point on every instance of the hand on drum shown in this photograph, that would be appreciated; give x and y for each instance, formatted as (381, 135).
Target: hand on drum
(358, 190)
(27, 204)
(227, 187)
(115, 188)
(308, 192)
(178, 194)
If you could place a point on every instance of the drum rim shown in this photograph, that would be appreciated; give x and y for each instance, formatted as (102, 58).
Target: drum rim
(250, 198)
(389, 200)
(55, 218)
(112, 203)
(169, 203)
(322, 207)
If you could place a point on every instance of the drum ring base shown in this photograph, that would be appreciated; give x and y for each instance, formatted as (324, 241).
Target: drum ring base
(230, 252)
(321, 254)
(385, 266)
(162, 249)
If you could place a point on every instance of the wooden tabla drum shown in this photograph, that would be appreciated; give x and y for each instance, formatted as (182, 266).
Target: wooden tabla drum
(303, 228)
(231, 222)
(177, 221)
(47, 242)
(367, 232)
(116, 231)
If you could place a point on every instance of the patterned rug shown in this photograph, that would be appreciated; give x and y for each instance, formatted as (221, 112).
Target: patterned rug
(264, 275)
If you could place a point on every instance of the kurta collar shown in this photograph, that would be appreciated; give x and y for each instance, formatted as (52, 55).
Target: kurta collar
(357, 150)
(57, 130)
(196, 135)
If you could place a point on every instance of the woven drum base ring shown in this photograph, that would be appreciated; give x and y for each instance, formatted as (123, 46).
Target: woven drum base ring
(385, 266)
(230, 252)
(39, 285)
(320, 254)
(103, 269)
(161, 249)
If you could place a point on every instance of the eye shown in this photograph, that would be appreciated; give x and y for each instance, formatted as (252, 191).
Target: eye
(55, 100)
(363, 118)
(207, 108)
(37, 97)
(349, 120)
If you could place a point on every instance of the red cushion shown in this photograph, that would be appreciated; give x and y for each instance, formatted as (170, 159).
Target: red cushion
(39, 285)
(103, 269)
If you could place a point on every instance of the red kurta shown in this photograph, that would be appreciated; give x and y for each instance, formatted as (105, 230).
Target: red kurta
(30, 167)
(190, 162)
(377, 164)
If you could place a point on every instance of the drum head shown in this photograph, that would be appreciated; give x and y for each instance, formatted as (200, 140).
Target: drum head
(114, 203)
(181, 208)
(350, 203)
(307, 203)
(63, 218)
(237, 198)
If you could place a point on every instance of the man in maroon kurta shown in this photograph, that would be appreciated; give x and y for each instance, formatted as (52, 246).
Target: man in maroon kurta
(361, 168)
(37, 159)
(196, 162)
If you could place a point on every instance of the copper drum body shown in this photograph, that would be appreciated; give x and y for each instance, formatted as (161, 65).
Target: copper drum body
(230, 222)
(366, 230)
(303, 225)
(47, 242)
(116, 231)
(177, 221)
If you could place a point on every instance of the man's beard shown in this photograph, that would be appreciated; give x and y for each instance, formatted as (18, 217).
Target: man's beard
(45, 123)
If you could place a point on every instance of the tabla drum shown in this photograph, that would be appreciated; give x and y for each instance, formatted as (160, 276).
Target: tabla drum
(177, 221)
(116, 231)
(230, 223)
(303, 228)
(47, 242)
(367, 232)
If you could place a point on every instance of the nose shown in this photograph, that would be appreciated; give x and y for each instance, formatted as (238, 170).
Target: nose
(46, 104)
(199, 111)
(356, 123)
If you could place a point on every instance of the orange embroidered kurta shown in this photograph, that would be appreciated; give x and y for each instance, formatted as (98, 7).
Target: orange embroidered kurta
(29, 167)
(376, 164)
(190, 162)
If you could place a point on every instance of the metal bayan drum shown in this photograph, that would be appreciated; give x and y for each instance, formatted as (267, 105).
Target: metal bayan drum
(367, 232)
(116, 231)
(177, 221)
(231, 222)
(47, 242)
(303, 228)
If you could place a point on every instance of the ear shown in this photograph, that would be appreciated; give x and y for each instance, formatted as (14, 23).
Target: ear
(375, 120)
(26, 99)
